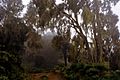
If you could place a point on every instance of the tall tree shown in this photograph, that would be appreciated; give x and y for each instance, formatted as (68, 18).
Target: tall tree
(91, 20)
(12, 37)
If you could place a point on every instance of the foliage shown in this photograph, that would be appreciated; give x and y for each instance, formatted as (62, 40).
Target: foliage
(11, 52)
(12, 37)
(95, 38)
(13, 71)
(44, 78)
(90, 19)
(57, 42)
(79, 71)
(37, 70)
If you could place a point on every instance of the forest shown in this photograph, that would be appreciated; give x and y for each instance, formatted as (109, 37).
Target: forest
(72, 40)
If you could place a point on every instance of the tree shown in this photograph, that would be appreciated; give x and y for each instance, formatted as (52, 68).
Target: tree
(12, 37)
(94, 23)
(91, 21)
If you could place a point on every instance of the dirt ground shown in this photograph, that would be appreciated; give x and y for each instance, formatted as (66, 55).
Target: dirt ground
(47, 76)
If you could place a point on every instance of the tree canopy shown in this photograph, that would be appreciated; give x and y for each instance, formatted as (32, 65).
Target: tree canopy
(93, 21)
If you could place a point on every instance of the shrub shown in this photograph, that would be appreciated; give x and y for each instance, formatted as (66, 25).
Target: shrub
(79, 71)
(9, 68)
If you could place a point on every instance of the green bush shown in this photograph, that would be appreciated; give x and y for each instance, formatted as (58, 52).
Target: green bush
(3, 77)
(44, 78)
(88, 72)
(37, 70)
(9, 68)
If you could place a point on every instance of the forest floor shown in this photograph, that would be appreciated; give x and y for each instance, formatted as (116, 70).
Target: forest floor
(47, 76)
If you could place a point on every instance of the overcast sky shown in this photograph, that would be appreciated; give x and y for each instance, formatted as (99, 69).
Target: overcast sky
(116, 9)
